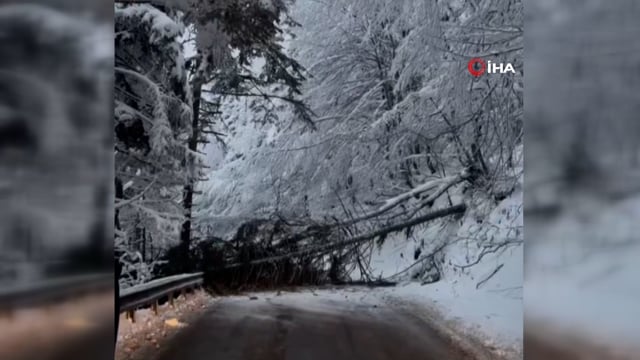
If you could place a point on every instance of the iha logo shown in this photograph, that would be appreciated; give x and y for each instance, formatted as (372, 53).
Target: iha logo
(478, 66)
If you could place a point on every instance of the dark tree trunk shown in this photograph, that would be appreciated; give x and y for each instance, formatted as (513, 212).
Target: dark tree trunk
(187, 200)
(116, 262)
(119, 196)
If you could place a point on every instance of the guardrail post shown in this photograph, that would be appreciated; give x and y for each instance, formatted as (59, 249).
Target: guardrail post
(154, 307)
(131, 316)
(171, 303)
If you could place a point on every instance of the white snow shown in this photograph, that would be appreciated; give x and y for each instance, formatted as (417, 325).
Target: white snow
(581, 272)
(494, 314)
(438, 186)
(162, 26)
(492, 309)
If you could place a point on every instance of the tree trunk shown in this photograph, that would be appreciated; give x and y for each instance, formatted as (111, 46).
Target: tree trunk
(328, 247)
(187, 199)
(119, 192)
(119, 196)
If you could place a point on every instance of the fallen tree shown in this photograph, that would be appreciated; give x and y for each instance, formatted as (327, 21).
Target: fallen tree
(266, 253)
(310, 265)
(327, 248)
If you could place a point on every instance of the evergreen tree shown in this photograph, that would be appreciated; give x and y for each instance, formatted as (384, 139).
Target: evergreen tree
(166, 104)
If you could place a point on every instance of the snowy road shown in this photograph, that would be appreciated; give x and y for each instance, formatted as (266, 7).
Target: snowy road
(270, 328)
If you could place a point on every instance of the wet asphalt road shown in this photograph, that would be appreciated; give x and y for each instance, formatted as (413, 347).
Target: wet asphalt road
(266, 330)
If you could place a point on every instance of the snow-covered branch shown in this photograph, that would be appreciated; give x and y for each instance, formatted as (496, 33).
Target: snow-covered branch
(439, 186)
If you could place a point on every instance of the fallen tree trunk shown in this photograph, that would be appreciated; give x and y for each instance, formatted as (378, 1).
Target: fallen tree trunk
(375, 283)
(316, 250)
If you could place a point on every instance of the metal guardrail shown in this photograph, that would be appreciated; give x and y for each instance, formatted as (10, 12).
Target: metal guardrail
(150, 293)
(49, 291)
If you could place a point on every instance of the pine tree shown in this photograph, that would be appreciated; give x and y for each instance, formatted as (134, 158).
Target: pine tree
(253, 30)
(153, 113)
(166, 104)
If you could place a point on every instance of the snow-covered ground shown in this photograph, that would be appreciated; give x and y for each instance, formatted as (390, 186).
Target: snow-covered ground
(494, 314)
(481, 295)
(581, 271)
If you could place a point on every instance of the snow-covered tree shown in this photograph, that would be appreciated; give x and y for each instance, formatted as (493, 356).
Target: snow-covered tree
(395, 104)
(153, 125)
(396, 113)
(231, 37)
(167, 102)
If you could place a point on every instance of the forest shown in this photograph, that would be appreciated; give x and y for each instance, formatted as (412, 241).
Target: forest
(286, 141)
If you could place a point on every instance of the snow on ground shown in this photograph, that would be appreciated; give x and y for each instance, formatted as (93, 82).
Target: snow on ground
(484, 300)
(582, 272)
(493, 314)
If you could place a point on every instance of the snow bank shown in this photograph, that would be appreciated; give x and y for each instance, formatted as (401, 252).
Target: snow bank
(494, 313)
(162, 26)
(482, 273)
(581, 272)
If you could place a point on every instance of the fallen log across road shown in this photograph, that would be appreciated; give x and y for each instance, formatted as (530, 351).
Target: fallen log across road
(319, 249)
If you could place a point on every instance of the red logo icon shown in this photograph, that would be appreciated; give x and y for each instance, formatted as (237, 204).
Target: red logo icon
(477, 66)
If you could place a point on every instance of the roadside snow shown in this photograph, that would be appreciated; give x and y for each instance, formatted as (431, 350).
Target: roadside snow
(481, 289)
(493, 314)
(581, 272)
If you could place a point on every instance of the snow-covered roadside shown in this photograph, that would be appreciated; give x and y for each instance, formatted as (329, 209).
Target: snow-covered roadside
(581, 274)
(492, 316)
(492, 313)
(484, 300)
